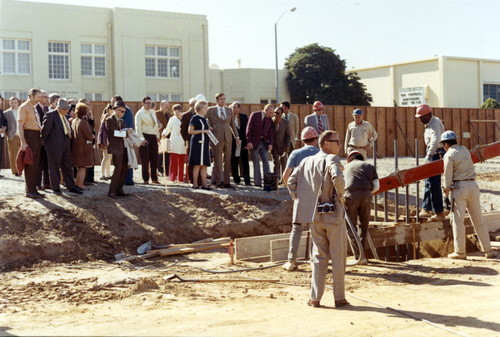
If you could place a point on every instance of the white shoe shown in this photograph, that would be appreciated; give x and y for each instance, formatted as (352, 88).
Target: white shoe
(425, 214)
(289, 266)
(457, 256)
(490, 255)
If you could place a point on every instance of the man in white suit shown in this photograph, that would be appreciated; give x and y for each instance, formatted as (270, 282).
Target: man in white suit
(317, 183)
(317, 119)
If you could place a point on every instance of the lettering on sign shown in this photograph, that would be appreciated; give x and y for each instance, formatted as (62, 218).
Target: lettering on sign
(412, 96)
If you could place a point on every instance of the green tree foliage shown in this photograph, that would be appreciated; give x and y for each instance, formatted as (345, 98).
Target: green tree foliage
(317, 73)
(490, 103)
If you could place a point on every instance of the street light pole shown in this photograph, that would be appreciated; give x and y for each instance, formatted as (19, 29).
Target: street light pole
(277, 83)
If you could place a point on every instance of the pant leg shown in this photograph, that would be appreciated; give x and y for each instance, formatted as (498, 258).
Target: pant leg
(319, 260)
(119, 168)
(227, 162)
(295, 236)
(166, 163)
(173, 167)
(66, 166)
(54, 161)
(257, 178)
(474, 209)
(235, 169)
(364, 218)
(337, 238)
(457, 221)
(153, 157)
(436, 194)
(43, 168)
(129, 180)
(264, 157)
(426, 200)
(160, 162)
(180, 167)
(245, 166)
(14, 145)
(283, 160)
(106, 163)
(276, 162)
(31, 171)
(217, 173)
(123, 171)
(144, 154)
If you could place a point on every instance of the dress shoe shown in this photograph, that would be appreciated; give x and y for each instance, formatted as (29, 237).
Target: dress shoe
(129, 183)
(156, 182)
(145, 182)
(341, 303)
(289, 266)
(207, 188)
(438, 217)
(457, 256)
(228, 186)
(81, 189)
(40, 194)
(313, 303)
(46, 187)
(425, 214)
(248, 184)
(75, 190)
(490, 255)
(112, 195)
(33, 195)
(39, 188)
(57, 191)
(122, 194)
(17, 174)
(258, 185)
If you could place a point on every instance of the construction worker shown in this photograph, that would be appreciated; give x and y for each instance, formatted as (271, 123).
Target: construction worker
(360, 135)
(433, 196)
(310, 138)
(361, 180)
(459, 181)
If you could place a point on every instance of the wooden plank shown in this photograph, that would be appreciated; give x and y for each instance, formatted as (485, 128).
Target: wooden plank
(474, 140)
(492, 220)
(497, 126)
(481, 126)
(490, 126)
(400, 132)
(382, 132)
(255, 245)
(464, 122)
(448, 119)
(456, 124)
(371, 117)
(279, 248)
(411, 127)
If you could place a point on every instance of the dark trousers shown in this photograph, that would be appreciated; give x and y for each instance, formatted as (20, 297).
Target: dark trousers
(433, 196)
(358, 207)
(89, 176)
(1, 151)
(120, 163)
(164, 163)
(129, 179)
(149, 158)
(43, 177)
(240, 165)
(31, 171)
(60, 162)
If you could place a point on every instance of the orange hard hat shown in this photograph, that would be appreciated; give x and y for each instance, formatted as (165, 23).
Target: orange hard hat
(423, 109)
(318, 105)
(309, 133)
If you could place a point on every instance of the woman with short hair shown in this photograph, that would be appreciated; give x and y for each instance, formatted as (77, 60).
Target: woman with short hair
(178, 148)
(199, 155)
(82, 150)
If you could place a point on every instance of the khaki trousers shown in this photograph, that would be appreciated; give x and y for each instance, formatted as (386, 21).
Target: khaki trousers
(329, 241)
(467, 196)
(14, 145)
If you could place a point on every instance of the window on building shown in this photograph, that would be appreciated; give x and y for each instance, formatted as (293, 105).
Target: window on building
(15, 56)
(93, 96)
(491, 91)
(59, 60)
(267, 101)
(157, 97)
(162, 61)
(93, 59)
(22, 95)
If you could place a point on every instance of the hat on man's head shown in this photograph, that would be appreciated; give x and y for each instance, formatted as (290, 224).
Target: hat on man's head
(318, 105)
(423, 109)
(192, 101)
(357, 112)
(355, 155)
(61, 103)
(119, 104)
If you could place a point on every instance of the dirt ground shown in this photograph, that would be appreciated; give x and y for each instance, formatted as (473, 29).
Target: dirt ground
(59, 277)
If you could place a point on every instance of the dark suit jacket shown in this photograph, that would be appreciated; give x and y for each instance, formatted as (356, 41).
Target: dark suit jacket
(242, 129)
(53, 136)
(185, 119)
(42, 110)
(282, 138)
(258, 128)
(3, 119)
(116, 144)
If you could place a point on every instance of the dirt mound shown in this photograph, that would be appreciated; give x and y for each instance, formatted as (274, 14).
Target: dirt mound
(89, 228)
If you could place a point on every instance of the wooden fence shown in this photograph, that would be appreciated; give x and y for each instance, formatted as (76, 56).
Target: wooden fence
(391, 123)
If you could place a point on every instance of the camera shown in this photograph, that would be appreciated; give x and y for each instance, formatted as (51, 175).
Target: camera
(326, 207)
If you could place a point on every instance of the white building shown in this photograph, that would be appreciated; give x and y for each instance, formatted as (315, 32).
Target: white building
(442, 81)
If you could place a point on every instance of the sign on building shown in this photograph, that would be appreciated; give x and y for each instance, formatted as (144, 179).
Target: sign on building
(412, 96)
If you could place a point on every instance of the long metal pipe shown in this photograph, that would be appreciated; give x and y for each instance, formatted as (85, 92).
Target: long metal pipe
(375, 216)
(396, 201)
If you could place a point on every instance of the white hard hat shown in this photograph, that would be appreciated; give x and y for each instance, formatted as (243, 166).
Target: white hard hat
(448, 135)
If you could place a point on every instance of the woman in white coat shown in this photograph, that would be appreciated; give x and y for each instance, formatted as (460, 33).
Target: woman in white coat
(177, 147)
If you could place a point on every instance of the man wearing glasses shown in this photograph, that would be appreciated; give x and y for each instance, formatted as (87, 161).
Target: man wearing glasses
(317, 186)
(146, 126)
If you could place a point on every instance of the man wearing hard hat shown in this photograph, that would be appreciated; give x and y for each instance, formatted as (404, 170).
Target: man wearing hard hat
(360, 135)
(433, 196)
(318, 120)
(459, 181)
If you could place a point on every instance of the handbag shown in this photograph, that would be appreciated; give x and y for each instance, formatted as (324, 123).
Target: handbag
(165, 145)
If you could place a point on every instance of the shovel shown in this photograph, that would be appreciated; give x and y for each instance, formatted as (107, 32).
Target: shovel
(175, 276)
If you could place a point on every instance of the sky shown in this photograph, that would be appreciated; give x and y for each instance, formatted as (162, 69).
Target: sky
(364, 33)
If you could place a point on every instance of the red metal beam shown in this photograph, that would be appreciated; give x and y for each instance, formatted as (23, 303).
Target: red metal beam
(405, 177)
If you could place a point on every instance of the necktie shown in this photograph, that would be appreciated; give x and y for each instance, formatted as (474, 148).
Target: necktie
(222, 114)
(320, 125)
(286, 116)
(37, 116)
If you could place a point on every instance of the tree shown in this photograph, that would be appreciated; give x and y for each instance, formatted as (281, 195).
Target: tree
(490, 103)
(317, 73)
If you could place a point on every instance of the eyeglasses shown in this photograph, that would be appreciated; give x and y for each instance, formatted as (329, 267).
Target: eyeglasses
(333, 141)
(120, 110)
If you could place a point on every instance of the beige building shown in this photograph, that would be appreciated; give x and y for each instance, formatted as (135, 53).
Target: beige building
(247, 85)
(442, 81)
(98, 52)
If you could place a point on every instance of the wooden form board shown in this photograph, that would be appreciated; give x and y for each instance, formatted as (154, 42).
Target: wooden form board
(279, 248)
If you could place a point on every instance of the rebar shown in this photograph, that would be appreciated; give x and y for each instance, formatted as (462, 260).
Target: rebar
(375, 215)
(396, 201)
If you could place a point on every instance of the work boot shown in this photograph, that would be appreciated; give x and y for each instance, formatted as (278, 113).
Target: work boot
(490, 255)
(438, 217)
(289, 266)
(457, 256)
(425, 214)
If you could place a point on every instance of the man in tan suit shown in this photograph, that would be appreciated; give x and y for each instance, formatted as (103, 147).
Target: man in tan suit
(315, 185)
(293, 125)
(221, 121)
